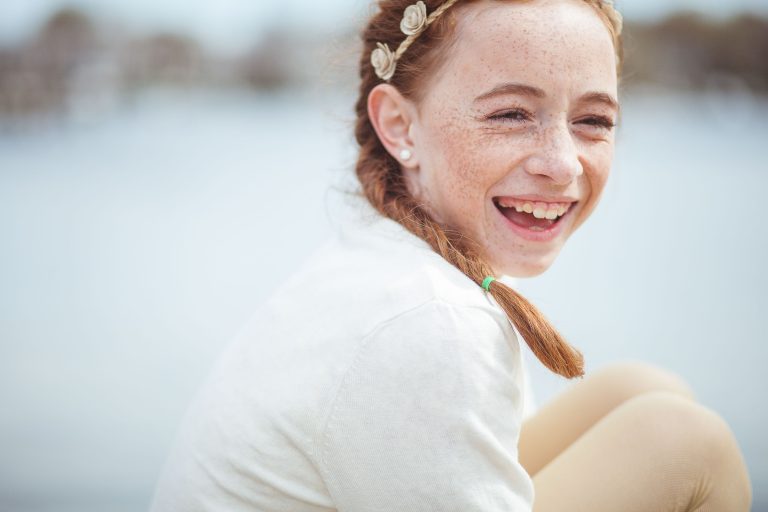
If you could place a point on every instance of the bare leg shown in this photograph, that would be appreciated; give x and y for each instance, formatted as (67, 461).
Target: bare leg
(654, 453)
(558, 424)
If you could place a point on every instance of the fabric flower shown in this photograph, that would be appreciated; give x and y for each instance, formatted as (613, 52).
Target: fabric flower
(383, 61)
(414, 19)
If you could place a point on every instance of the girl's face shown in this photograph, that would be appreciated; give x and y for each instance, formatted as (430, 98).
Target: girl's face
(513, 139)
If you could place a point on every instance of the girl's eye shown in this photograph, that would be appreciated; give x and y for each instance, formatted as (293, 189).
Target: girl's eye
(599, 122)
(511, 115)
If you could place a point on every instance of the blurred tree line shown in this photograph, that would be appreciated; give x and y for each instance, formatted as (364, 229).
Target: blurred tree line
(689, 51)
(75, 62)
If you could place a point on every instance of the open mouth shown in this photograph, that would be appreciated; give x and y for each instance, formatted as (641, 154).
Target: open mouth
(532, 215)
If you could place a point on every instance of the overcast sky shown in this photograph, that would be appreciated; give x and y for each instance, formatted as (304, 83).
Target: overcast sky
(229, 24)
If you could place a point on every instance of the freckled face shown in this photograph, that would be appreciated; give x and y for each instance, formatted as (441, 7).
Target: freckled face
(520, 112)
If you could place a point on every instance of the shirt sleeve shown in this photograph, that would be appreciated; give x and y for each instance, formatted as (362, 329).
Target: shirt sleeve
(428, 417)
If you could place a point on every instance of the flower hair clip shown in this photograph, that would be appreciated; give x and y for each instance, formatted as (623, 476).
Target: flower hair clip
(414, 22)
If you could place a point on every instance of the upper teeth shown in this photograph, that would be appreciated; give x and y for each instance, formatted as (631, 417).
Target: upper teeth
(540, 210)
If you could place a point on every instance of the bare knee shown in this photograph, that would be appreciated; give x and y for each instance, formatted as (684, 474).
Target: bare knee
(674, 423)
(693, 442)
(627, 380)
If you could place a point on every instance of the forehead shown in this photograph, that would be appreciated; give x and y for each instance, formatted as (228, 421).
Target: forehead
(556, 45)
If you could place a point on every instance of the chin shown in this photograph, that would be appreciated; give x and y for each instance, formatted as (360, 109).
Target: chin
(527, 268)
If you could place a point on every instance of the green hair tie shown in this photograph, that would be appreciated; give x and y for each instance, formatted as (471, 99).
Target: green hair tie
(487, 282)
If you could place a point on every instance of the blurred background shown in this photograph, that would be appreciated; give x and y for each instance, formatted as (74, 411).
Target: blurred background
(165, 165)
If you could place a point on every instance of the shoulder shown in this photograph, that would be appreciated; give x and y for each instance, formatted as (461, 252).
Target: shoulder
(374, 271)
(457, 352)
(455, 341)
(440, 321)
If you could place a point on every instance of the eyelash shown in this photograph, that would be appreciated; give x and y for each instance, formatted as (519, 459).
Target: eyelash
(508, 115)
(599, 121)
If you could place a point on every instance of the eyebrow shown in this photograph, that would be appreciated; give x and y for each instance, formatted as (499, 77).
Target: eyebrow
(600, 97)
(512, 88)
(529, 90)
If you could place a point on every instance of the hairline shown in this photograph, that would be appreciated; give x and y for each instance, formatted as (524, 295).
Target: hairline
(436, 64)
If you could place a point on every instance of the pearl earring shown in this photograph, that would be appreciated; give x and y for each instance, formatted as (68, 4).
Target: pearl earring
(405, 154)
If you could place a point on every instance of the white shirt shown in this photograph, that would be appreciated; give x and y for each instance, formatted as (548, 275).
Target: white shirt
(378, 378)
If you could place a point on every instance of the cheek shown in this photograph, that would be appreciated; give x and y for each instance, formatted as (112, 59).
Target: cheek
(458, 175)
(599, 170)
(596, 174)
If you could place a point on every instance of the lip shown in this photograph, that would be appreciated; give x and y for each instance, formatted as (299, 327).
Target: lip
(540, 198)
(538, 236)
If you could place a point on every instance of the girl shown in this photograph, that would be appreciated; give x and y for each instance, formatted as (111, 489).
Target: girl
(387, 373)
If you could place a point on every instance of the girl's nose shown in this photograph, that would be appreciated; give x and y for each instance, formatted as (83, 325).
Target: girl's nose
(557, 156)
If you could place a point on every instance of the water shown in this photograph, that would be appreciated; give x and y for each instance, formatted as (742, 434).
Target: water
(134, 246)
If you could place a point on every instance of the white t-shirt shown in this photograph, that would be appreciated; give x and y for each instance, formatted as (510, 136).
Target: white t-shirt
(378, 378)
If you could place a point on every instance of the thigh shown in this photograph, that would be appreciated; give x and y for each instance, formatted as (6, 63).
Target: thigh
(559, 423)
(657, 452)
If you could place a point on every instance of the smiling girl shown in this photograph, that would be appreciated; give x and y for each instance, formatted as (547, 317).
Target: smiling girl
(387, 374)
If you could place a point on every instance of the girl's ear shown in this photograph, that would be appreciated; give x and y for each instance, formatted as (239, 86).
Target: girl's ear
(391, 116)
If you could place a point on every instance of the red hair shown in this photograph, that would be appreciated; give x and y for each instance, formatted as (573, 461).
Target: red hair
(383, 185)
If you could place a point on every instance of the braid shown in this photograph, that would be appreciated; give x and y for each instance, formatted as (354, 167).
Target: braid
(431, 18)
(387, 192)
(384, 187)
